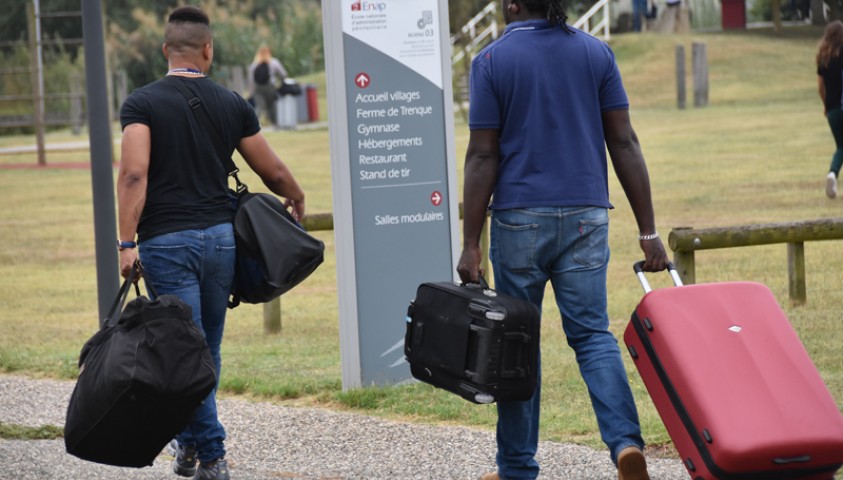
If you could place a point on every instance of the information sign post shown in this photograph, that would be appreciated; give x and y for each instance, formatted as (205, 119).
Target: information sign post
(396, 216)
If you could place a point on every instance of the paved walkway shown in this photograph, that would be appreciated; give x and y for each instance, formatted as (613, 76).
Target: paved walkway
(50, 147)
(269, 441)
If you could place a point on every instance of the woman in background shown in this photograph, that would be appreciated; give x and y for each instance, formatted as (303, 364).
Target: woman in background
(830, 84)
(266, 74)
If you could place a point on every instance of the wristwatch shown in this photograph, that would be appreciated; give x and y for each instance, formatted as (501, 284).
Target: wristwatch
(122, 245)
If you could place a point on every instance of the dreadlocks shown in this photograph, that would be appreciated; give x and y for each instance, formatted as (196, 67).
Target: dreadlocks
(554, 9)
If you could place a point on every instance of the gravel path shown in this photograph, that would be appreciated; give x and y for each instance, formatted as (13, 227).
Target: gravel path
(269, 441)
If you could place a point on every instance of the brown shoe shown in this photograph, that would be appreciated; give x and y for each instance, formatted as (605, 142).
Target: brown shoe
(490, 476)
(632, 465)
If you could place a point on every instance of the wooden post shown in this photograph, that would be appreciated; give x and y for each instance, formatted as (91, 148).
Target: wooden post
(122, 91)
(683, 257)
(817, 12)
(685, 266)
(37, 85)
(76, 118)
(272, 316)
(700, 71)
(796, 273)
(776, 10)
(680, 77)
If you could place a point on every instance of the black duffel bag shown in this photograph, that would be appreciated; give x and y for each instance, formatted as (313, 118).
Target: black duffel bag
(141, 378)
(274, 252)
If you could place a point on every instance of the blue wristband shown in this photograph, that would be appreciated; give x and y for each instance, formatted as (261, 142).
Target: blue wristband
(121, 245)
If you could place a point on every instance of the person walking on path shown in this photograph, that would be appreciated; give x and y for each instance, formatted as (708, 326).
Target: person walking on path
(830, 86)
(172, 193)
(266, 74)
(546, 102)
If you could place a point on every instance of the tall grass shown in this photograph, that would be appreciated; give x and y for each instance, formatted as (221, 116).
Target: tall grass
(757, 153)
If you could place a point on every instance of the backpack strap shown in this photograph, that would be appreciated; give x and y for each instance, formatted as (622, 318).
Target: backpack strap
(210, 130)
(214, 134)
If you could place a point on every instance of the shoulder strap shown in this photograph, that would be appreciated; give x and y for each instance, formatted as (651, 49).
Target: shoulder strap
(209, 127)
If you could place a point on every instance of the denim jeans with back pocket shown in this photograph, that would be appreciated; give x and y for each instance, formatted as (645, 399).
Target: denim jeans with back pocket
(567, 246)
(198, 267)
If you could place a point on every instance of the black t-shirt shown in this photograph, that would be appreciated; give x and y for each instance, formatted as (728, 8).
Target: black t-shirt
(187, 185)
(833, 79)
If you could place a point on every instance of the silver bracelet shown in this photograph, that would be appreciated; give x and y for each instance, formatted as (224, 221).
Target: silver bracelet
(651, 236)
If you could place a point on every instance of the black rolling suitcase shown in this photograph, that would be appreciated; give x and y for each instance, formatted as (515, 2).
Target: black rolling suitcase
(473, 341)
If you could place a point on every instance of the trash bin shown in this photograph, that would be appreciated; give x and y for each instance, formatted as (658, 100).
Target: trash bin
(733, 14)
(312, 102)
(287, 104)
(285, 111)
(301, 106)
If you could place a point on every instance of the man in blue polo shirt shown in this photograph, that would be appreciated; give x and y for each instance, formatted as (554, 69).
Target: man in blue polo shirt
(546, 102)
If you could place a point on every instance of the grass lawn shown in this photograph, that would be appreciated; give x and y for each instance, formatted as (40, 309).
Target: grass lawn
(757, 153)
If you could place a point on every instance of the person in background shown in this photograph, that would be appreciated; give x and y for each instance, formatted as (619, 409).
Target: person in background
(830, 86)
(670, 20)
(174, 206)
(266, 74)
(547, 101)
(639, 14)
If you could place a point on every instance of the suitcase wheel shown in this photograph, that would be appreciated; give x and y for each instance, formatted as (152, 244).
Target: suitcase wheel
(484, 398)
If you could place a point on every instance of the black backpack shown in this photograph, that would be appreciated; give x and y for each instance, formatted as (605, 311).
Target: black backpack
(261, 74)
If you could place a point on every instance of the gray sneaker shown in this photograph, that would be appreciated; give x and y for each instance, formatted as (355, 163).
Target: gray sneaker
(185, 462)
(216, 470)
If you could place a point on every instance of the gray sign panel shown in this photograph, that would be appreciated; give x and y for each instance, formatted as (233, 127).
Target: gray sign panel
(393, 170)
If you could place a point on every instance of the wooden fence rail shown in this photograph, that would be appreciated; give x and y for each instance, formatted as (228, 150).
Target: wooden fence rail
(685, 241)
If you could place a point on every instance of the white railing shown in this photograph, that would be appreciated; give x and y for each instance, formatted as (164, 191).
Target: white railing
(584, 22)
(490, 32)
(488, 16)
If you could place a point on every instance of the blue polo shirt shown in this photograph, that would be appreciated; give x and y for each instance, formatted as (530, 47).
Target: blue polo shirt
(545, 90)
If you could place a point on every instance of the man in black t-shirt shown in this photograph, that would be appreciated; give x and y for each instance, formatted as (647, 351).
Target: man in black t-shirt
(172, 192)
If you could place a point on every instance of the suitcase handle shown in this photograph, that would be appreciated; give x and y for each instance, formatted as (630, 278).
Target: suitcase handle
(481, 282)
(638, 267)
(481, 285)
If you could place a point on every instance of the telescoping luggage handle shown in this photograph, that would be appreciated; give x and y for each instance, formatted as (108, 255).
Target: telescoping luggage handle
(671, 269)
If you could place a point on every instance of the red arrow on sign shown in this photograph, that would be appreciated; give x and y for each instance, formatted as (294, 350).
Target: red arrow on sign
(436, 198)
(362, 80)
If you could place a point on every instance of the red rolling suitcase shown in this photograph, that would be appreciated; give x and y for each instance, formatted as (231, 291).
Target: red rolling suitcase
(733, 384)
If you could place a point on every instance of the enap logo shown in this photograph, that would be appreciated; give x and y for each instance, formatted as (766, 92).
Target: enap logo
(361, 6)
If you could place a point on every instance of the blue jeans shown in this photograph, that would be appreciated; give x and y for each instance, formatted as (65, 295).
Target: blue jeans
(835, 122)
(568, 247)
(639, 10)
(198, 267)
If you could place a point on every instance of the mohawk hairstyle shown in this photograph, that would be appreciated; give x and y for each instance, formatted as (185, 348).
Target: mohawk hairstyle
(554, 9)
(189, 14)
(188, 28)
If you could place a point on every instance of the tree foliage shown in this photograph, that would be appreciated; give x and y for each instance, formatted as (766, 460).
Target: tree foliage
(134, 31)
(292, 30)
